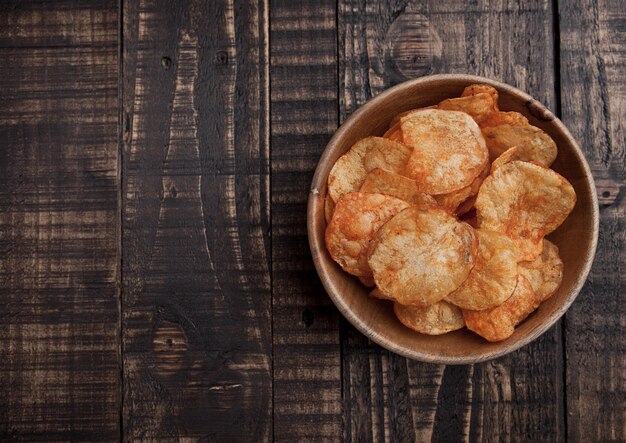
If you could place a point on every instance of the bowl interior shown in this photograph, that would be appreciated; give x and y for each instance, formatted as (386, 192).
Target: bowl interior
(576, 238)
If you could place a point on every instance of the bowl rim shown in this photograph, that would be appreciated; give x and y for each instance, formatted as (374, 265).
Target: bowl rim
(313, 222)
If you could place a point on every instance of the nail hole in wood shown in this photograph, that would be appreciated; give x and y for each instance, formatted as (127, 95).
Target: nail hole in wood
(606, 194)
(307, 317)
(166, 62)
(221, 58)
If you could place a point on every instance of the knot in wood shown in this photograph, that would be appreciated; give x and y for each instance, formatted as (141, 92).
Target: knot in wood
(169, 345)
(412, 47)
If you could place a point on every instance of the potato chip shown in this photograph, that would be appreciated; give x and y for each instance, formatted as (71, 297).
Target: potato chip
(505, 118)
(367, 281)
(388, 155)
(348, 172)
(376, 293)
(481, 89)
(499, 323)
(453, 200)
(383, 182)
(435, 319)
(398, 117)
(448, 150)
(356, 219)
(494, 275)
(508, 156)
(394, 133)
(421, 255)
(538, 145)
(479, 106)
(525, 201)
(329, 208)
(545, 273)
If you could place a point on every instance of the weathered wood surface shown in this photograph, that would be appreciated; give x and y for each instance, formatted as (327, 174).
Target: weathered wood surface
(386, 397)
(307, 354)
(222, 331)
(196, 262)
(593, 96)
(59, 236)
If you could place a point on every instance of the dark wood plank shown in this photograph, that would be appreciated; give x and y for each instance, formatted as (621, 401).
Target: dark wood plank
(593, 95)
(386, 397)
(196, 263)
(59, 230)
(307, 364)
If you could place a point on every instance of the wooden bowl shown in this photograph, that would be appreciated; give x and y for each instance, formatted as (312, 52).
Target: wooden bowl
(576, 238)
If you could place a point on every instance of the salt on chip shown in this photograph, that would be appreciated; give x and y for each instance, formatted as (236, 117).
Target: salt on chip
(505, 118)
(356, 219)
(499, 323)
(421, 255)
(481, 89)
(388, 155)
(462, 200)
(545, 273)
(383, 182)
(538, 145)
(494, 275)
(348, 172)
(479, 106)
(436, 319)
(449, 151)
(524, 201)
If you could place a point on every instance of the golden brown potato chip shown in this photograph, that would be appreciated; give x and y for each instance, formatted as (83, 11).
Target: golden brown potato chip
(349, 171)
(525, 201)
(398, 117)
(499, 323)
(388, 155)
(435, 319)
(376, 293)
(356, 219)
(448, 150)
(479, 106)
(329, 208)
(394, 133)
(538, 145)
(505, 118)
(481, 89)
(463, 200)
(545, 273)
(508, 156)
(367, 281)
(383, 182)
(494, 275)
(421, 255)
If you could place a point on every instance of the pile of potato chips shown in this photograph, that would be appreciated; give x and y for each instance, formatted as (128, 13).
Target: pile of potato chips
(445, 215)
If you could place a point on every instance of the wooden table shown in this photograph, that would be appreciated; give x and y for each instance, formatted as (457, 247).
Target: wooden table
(155, 276)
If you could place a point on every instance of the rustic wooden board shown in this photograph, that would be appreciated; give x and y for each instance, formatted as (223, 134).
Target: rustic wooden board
(593, 96)
(59, 230)
(386, 397)
(196, 262)
(307, 354)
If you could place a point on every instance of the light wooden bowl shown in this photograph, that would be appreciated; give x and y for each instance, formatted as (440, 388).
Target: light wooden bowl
(576, 238)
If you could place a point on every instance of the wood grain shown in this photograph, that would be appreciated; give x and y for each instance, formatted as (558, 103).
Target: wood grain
(59, 230)
(383, 43)
(307, 354)
(197, 330)
(593, 95)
